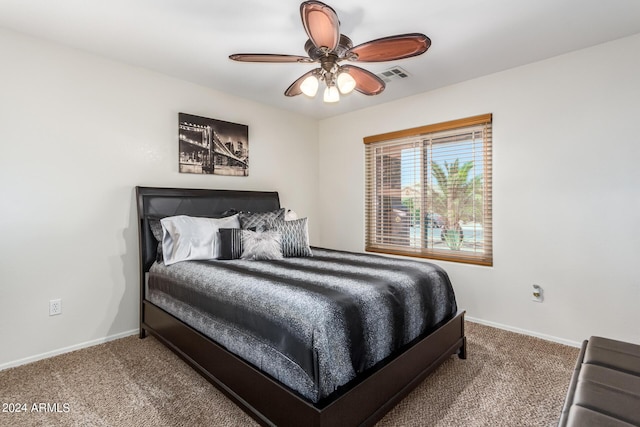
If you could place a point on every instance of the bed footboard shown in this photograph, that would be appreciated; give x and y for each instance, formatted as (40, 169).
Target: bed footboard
(362, 403)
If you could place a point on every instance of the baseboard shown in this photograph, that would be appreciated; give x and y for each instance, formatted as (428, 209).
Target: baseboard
(524, 332)
(69, 349)
(135, 331)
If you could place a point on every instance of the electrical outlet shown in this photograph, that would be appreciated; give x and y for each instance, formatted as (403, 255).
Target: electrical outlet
(536, 295)
(55, 307)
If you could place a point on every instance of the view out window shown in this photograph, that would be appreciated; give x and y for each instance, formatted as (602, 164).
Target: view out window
(428, 191)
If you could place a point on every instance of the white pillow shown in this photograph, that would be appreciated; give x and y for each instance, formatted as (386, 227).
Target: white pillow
(187, 238)
(290, 215)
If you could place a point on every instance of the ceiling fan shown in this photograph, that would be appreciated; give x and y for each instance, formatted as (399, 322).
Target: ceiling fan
(329, 48)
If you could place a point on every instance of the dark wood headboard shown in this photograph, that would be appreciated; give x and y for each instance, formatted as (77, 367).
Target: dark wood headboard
(162, 202)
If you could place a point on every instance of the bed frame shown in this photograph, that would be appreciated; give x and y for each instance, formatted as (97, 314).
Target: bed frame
(362, 402)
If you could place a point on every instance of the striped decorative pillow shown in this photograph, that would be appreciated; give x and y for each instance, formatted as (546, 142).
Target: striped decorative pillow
(295, 237)
(230, 243)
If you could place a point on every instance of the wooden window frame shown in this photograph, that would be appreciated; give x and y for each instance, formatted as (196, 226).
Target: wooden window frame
(373, 195)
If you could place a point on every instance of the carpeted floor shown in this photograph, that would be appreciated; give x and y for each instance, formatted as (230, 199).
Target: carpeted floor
(508, 380)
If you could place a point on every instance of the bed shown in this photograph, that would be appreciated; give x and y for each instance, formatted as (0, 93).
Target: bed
(257, 382)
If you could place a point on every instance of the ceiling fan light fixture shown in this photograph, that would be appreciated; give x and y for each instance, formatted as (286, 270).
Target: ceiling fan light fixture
(346, 83)
(309, 86)
(331, 94)
(328, 47)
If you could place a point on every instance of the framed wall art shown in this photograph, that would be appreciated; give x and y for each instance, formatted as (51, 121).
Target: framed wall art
(214, 147)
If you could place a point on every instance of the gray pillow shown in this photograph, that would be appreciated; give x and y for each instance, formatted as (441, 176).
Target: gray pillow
(156, 230)
(295, 237)
(261, 245)
(230, 243)
(259, 220)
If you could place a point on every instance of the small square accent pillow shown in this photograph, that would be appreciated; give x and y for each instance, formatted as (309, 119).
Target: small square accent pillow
(295, 237)
(261, 245)
(230, 243)
(259, 220)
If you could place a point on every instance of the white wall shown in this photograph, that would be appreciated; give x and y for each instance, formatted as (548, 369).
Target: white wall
(77, 134)
(566, 189)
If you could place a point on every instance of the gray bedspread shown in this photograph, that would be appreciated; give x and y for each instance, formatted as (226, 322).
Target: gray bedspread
(312, 323)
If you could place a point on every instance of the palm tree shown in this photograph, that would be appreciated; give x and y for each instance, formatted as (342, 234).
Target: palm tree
(457, 198)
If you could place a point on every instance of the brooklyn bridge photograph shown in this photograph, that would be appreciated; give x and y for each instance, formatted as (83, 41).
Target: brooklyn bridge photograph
(210, 146)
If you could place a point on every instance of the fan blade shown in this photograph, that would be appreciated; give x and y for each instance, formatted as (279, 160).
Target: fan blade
(366, 82)
(268, 57)
(321, 24)
(390, 48)
(294, 89)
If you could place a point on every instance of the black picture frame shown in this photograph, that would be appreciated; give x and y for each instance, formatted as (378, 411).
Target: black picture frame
(212, 147)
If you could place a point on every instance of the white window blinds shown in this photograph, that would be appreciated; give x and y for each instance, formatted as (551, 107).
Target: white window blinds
(428, 191)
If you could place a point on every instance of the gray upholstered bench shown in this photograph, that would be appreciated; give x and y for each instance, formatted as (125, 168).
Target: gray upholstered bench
(605, 386)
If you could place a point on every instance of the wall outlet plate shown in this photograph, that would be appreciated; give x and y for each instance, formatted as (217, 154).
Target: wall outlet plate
(536, 294)
(55, 307)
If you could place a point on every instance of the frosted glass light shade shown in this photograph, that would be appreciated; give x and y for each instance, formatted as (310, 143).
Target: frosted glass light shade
(345, 83)
(331, 94)
(309, 86)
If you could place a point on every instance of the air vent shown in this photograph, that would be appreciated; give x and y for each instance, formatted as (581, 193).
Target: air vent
(394, 73)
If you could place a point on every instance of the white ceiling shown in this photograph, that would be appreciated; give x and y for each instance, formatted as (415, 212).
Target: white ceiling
(192, 39)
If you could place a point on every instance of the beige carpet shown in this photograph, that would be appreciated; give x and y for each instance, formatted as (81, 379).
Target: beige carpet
(507, 380)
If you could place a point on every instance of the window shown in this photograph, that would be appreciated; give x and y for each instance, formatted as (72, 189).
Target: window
(428, 191)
